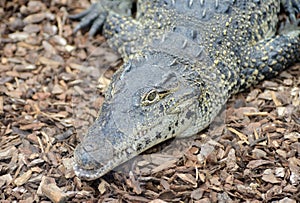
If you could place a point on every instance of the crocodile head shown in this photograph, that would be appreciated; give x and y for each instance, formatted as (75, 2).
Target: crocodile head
(150, 99)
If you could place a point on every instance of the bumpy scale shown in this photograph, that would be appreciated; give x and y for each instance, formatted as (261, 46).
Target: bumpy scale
(182, 61)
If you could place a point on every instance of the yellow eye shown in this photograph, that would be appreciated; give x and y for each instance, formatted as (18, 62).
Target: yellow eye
(150, 97)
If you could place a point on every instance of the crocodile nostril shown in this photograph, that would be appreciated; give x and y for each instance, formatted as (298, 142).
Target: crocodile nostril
(89, 147)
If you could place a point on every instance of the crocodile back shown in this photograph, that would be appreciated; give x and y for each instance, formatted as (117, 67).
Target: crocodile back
(213, 23)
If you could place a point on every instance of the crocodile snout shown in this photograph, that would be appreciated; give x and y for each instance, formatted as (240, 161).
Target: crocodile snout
(84, 159)
(94, 151)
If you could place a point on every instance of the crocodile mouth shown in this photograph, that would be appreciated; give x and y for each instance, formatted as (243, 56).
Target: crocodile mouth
(89, 174)
(87, 167)
(92, 172)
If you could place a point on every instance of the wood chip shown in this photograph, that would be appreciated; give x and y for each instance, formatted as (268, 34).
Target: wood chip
(275, 100)
(166, 165)
(256, 113)
(240, 135)
(49, 62)
(38, 17)
(22, 179)
(50, 190)
(257, 163)
(5, 179)
(103, 186)
(8, 152)
(157, 201)
(188, 178)
(269, 176)
(1, 105)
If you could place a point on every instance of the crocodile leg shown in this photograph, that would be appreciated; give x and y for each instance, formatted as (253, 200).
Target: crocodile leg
(124, 34)
(96, 15)
(267, 58)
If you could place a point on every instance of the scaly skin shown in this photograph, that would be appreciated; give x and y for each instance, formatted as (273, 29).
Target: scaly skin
(182, 61)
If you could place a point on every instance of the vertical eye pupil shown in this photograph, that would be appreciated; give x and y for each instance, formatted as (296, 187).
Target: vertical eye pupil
(151, 96)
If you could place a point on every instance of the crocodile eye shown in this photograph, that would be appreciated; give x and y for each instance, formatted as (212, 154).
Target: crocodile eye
(150, 97)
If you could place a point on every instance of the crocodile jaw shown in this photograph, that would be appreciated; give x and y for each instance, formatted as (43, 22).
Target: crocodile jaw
(99, 153)
(88, 165)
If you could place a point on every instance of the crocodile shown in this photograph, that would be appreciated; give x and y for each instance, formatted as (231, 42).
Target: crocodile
(183, 59)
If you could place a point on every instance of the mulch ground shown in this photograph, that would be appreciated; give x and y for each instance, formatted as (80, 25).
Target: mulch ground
(51, 88)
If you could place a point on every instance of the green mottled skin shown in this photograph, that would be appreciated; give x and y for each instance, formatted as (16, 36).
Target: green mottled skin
(182, 61)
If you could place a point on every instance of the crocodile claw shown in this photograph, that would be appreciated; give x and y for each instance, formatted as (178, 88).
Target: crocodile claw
(94, 17)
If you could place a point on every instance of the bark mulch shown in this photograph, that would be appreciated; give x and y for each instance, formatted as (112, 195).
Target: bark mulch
(51, 88)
